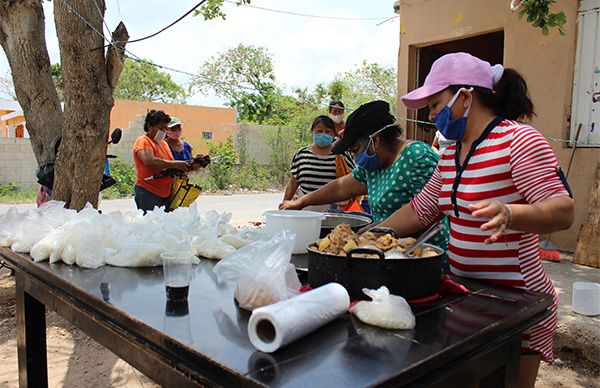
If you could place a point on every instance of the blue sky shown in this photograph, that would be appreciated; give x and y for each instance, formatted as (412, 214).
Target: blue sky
(305, 50)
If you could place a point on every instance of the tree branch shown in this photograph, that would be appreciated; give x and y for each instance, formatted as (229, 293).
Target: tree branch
(115, 56)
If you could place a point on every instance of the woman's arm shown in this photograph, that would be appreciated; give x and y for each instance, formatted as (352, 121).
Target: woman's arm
(547, 216)
(291, 189)
(337, 190)
(147, 157)
(404, 221)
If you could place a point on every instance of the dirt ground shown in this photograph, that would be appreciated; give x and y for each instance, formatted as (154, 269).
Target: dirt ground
(75, 360)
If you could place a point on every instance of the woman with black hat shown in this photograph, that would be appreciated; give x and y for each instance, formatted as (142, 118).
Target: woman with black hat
(389, 169)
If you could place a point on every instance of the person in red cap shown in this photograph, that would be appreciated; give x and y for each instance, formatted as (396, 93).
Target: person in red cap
(500, 185)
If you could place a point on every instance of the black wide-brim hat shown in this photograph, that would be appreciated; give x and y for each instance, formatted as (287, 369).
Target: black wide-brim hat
(364, 121)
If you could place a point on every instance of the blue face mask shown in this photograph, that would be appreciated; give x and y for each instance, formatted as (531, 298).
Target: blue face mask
(368, 162)
(323, 140)
(451, 129)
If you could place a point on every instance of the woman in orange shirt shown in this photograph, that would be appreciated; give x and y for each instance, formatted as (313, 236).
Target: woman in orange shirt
(151, 154)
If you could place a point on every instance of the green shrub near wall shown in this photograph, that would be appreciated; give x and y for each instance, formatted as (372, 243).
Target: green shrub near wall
(11, 193)
(124, 173)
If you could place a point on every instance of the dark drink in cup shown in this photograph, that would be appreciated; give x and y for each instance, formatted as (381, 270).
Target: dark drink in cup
(177, 268)
(177, 293)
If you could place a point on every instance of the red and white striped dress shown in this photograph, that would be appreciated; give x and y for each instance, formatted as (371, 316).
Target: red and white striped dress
(514, 165)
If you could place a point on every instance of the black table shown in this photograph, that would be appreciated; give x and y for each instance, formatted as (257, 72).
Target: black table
(457, 340)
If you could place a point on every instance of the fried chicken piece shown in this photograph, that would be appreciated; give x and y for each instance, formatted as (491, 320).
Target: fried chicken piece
(386, 242)
(406, 241)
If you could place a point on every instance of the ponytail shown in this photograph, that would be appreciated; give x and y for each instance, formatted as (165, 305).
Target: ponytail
(509, 99)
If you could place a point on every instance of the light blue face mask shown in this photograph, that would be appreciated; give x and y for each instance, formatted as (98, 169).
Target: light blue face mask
(370, 162)
(452, 129)
(323, 139)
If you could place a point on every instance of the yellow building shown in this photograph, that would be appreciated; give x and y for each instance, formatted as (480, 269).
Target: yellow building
(201, 124)
(560, 71)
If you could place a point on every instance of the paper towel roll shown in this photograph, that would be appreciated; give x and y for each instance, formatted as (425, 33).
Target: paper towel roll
(274, 326)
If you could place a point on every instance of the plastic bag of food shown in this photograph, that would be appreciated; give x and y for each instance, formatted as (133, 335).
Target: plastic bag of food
(385, 310)
(262, 271)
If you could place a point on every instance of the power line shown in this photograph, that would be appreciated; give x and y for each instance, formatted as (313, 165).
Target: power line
(170, 25)
(102, 17)
(136, 58)
(307, 15)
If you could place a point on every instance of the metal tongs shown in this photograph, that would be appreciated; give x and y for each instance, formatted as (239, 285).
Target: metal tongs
(433, 229)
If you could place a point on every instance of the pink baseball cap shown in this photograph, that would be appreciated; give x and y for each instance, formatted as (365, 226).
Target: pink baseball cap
(451, 69)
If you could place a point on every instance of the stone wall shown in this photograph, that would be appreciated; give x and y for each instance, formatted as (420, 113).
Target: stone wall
(17, 162)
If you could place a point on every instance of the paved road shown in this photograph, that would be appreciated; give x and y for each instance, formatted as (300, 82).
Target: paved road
(244, 207)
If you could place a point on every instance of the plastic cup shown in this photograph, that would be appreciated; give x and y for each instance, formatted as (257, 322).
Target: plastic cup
(177, 268)
(586, 298)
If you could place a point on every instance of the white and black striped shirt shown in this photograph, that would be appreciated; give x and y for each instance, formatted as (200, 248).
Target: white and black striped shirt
(313, 171)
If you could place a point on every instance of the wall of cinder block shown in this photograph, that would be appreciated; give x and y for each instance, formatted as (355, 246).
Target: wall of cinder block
(17, 162)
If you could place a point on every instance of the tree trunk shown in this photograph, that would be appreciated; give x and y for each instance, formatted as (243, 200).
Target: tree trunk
(23, 40)
(88, 100)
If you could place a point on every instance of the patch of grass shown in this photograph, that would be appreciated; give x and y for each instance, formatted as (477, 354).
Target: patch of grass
(11, 193)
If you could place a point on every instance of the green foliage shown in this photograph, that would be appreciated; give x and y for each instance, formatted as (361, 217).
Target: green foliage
(144, 82)
(283, 144)
(221, 172)
(140, 81)
(539, 15)
(11, 193)
(211, 9)
(124, 173)
(251, 176)
(245, 76)
(367, 82)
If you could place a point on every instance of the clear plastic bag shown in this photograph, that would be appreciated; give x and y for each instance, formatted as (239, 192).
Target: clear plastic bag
(262, 271)
(385, 310)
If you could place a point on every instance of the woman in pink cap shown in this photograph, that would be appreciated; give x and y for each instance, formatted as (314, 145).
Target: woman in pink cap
(500, 185)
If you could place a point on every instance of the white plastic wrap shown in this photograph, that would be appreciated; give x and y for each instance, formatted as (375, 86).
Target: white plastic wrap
(272, 327)
(91, 239)
(261, 271)
(385, 310)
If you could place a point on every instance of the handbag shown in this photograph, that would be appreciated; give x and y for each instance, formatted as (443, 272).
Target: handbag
(183, 193)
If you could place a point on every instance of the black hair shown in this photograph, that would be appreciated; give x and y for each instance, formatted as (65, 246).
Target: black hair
(390, 137)
(509, 99)
(155, 117)
(335, 104)
(325, 120)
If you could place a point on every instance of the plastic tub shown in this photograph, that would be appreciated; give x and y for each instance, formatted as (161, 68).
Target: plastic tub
(586, 298)
(305, 224)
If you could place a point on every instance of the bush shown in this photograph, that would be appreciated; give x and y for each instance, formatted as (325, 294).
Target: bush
(221, 172)
(251, 176)
(284, 145)
(124, 173)
(11, 193)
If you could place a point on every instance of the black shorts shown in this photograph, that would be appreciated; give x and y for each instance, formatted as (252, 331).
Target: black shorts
(146, 200)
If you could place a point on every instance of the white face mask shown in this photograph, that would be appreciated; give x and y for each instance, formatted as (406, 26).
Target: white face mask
(338, 118)
(160, 135)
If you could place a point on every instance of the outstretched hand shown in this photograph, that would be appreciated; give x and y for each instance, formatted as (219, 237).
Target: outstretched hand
(499, 216)
(290, 205)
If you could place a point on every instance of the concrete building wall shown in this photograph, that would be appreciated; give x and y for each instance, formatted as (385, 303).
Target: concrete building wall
(547, 63)
(197, 120)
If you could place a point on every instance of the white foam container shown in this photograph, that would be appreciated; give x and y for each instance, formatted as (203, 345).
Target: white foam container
(586, 298)
(305, 224)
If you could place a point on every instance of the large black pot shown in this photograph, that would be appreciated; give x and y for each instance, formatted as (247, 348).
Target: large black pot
(409, 278)
(356, 222)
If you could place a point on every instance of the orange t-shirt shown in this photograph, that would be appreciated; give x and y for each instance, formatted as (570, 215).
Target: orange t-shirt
(161, 186)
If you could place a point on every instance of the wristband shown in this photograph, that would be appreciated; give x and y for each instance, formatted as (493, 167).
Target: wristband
(509, 223)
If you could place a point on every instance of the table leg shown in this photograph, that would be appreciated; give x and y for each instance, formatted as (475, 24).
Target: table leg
(508, 374)
(31, 338)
